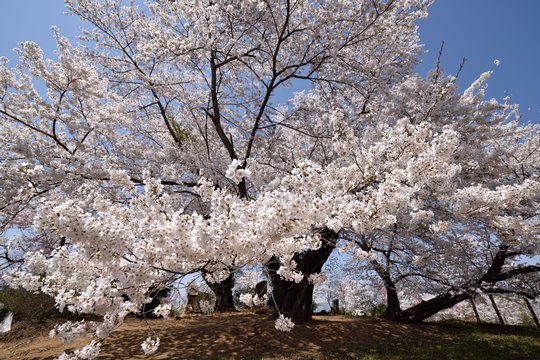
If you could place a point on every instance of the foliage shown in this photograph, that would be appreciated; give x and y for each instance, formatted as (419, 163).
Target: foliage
(377, 310)
(160, 149)
(27, 305)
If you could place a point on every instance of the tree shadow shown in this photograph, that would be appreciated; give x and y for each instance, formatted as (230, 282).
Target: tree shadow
(246, 335)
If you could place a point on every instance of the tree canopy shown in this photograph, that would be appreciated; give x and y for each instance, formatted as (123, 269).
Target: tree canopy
(163, 145)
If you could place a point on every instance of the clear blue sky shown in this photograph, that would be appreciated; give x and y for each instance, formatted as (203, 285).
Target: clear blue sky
(485, 30)
(479, 30)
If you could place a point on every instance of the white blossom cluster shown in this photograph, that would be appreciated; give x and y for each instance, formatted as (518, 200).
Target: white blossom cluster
(236, 173)
(318, 278)
(284, 324)
(290, 275)
(253, 300)
(150, 346)
(68, 331)
(90, 351)
(163, 310)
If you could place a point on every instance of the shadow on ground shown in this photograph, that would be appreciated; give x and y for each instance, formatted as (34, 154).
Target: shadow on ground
(245, 335)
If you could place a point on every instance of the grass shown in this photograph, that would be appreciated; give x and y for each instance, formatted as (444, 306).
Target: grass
(465, 341)
(468, 341)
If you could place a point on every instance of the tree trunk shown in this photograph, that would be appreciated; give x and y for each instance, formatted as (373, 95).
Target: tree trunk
(335, 307)
(295, 300)
(496, 308)
(475, 310)
(393, 309)
(533, 314)
(425, 309)
(223, 292)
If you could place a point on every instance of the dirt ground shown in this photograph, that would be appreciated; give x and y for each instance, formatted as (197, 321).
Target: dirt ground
(30, 340)
(239, 335)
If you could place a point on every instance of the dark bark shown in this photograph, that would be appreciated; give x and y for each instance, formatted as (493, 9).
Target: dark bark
(261, 288)
(295, 300)
(426, 309)
(223, 292)
(475, 310)
(393, 309)
(497, 264)
(496, 308)
(533, 314)
(335, 307)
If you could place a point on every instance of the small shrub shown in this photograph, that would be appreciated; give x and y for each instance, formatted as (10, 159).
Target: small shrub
(526, 320)
(377, 310)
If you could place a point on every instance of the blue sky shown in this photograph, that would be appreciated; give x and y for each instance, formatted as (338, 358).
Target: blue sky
(479, 30)
(485, 30)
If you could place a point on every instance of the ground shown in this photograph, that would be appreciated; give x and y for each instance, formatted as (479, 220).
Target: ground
(245, 335)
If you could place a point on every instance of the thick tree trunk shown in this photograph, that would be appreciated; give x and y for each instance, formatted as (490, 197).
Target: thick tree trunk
(533, 314)
(295, 300)
(425, 309)
(475, 310)
(496, 308)
(393, 309)
(223, 292)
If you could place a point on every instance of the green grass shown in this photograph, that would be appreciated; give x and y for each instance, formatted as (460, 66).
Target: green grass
(465, 341)
(469, 342)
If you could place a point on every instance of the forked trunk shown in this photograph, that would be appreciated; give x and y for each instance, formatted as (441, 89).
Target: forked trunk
(224, 294)
(295, 300)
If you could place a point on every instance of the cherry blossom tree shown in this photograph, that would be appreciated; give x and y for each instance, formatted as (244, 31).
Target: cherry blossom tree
(481, 233)
(161, 147)
(193, 84)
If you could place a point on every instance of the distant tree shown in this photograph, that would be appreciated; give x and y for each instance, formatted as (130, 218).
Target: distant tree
(480, 235)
